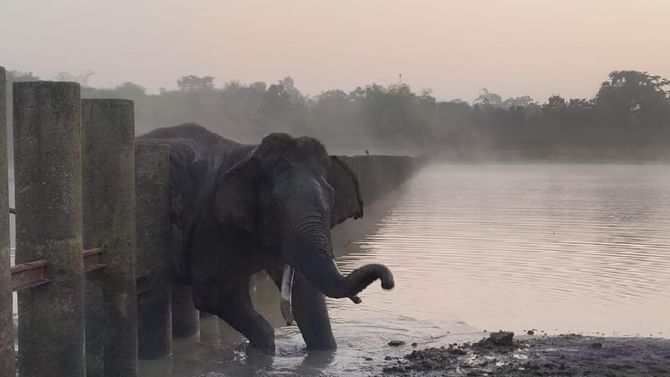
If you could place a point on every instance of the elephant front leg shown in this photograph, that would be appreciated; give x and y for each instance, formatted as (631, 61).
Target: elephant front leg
(309, 311)
(311, 315)
(232, 304)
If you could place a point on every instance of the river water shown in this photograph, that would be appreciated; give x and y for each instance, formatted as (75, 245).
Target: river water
(555, 247)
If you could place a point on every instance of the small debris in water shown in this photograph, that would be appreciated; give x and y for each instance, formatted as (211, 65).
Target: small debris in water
(596, 345)
(415, 344)
(502, 338)
(396, 343)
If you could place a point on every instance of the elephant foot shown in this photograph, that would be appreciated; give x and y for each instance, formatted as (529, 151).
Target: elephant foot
(263, 339)
(232, 304)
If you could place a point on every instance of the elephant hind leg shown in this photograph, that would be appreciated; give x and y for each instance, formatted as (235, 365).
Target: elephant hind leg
(232, 304)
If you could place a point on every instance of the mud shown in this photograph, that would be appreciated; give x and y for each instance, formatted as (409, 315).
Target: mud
(563, 355)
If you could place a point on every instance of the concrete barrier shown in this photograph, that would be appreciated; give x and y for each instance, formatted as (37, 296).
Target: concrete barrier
(108, 169)
(47, 137)
(185, 317)
(152, 171)
(71, 152)
(7, 357)
(379, 175)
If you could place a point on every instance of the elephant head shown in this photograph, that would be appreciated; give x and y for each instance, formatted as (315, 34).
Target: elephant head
(290, 193)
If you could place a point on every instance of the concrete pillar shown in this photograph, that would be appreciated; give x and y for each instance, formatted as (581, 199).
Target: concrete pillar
(152, 169)
(7, 358)
(185, 317)
(47, 141)
(209, 329)
(108, 175)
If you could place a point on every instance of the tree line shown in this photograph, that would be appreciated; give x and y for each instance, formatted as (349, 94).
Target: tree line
(628, 117)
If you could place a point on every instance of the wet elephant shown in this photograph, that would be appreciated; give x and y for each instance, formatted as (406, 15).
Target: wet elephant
(239, 209)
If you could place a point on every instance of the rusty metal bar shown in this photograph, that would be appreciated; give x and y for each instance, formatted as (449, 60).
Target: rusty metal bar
(28, 275)
(33, 274)
(93, 260)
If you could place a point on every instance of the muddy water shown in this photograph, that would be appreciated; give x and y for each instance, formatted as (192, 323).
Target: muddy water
(560, 248)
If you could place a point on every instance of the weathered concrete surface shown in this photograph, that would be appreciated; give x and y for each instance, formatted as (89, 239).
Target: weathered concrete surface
(108, 173)
(7, 357)
(152, 182)
(379, 175)
(47, 140)
(185, 317)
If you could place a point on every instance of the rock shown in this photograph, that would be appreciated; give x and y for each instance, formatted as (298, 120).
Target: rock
(368, 359)
(596, 345)
(502, 338)
(396, 343)
(415, 344)
(457, 351)
(530, 332)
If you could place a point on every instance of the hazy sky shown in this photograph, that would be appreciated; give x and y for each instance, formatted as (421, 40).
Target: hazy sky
(512, 47)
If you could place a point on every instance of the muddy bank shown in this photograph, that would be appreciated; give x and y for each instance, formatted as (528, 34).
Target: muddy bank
(563, 355)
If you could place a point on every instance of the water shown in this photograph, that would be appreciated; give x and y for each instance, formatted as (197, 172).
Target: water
(563, 248)
(559, 248)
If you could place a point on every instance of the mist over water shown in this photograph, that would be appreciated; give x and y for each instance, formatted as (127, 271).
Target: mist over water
(556, 247)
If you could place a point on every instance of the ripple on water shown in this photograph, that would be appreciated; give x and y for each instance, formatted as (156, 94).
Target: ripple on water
(572, 247)
(561, 248)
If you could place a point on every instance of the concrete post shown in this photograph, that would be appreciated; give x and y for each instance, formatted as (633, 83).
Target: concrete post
(47, 135)
(185, 317)
(7, 358)
(108, 174)
(152, 169)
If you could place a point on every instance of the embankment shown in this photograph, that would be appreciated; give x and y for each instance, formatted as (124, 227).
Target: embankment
(379, 175)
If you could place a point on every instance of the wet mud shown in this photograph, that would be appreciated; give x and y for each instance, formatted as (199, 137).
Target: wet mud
(563, 355)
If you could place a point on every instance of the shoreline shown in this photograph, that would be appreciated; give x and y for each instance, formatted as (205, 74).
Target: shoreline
(501, 355)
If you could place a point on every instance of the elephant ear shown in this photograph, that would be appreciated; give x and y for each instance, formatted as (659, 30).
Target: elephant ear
(235, 200)
(348, 201)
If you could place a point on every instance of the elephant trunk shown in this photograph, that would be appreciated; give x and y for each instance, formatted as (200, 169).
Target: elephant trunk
(314, 260)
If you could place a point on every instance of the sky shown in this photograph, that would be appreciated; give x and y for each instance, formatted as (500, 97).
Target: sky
(455, 48)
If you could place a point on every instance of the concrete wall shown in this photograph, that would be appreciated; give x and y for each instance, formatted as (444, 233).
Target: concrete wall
(379, 175)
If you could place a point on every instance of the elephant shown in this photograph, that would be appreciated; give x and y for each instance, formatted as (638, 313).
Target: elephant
(238, 209)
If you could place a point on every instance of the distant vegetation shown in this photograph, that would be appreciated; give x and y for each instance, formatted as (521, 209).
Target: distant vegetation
(629, 117)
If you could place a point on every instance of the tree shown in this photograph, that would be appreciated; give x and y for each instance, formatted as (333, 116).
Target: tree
(634, 98)
(555, 106)
(81, 77)
(194, 83)
(512, 102)
(488, 99)
(130, 90)
(15, 76)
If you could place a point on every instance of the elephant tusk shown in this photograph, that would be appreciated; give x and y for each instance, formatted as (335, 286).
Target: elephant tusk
(286, 291)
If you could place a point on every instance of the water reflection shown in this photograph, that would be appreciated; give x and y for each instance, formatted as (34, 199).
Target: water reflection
(561, 248)
(558, 247)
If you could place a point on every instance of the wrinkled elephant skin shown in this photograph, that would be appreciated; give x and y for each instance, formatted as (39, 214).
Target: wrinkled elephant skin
(239, 209)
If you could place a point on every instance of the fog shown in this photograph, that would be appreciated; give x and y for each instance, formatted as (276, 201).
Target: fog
(514, 47)
(467, 80)
(628, 119)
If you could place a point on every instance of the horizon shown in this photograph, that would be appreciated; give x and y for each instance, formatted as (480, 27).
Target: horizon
(515, 48)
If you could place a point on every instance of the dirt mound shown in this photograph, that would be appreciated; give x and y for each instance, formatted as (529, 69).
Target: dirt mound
(564, 355)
